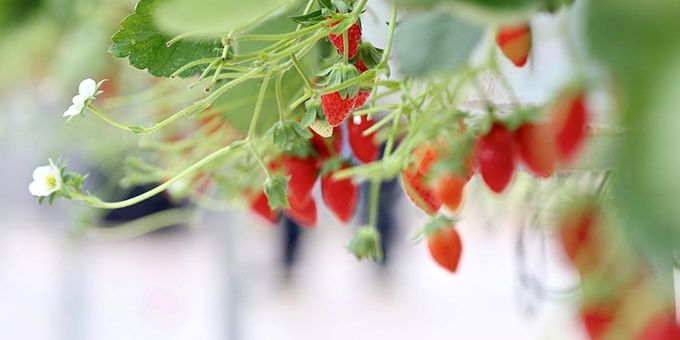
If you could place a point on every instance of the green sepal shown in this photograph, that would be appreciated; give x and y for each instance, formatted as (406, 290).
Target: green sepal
(288, 135)
(433, 226)
(338, 74)
(326, 4)
(275, 189)
(366, 244)
(313, 111)
(369, 55)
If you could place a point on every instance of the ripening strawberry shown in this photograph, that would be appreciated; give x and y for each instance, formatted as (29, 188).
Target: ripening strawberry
(570, 125)
(340, 196)
(418, 192)
(536, 147)
(579, 235)
(353, 39)
(449, 190)
(426, 155)
(303, 173)
(302, 211)
(515, 43)
(364, 148)
(260, 206)
(445, 246)
(326, 147)
(335, 108)
(496, 157)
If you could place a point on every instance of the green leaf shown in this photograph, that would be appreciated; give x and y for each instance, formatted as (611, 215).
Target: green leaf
(309, 18)
(214, 17)
(140, 40)
(275, 190)
(434, 42)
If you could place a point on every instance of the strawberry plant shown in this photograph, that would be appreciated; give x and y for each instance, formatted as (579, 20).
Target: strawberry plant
(277, 88)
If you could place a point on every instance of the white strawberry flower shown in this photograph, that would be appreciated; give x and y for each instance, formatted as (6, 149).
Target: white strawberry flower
(87, 90)
(46, 180)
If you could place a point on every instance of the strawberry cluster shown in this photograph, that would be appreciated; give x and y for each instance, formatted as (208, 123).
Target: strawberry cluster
(323, 161)
(541, 146)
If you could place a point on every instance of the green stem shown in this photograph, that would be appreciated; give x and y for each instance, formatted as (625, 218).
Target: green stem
(257, 156)
(345, 47)
(374, 195)
(107, 119)
(258, 105)
(97, 203)
(301, 72)
(279, 97)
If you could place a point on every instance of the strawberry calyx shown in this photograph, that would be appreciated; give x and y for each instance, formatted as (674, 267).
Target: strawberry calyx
(340, 73)
(366, 244)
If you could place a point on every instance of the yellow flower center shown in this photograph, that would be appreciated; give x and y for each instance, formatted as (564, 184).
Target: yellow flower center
(51, 181)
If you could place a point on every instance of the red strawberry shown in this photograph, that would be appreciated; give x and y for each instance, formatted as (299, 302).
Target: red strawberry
(569, 123)
(445, 246)
(536, 146)
(661, 327)
(353, 39)
(449, 190)
(597, 319)
(579, 235)
(327, 147)
(363, 95)
(361, 67)
(515, 42)
(303, 173)
(416, 190)
(260, 206)
(496, 155)
(361, 98)
(335, 108)
(340, 196)
(364, 147)
(302, 211)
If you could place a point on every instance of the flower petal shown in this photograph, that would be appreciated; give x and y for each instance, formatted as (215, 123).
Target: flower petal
(41, 172)
(87, 88)
(72, 111)
(39, 188)
(78, 100)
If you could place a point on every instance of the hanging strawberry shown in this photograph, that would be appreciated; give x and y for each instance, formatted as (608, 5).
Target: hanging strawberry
(515, 43)
(338, 105)
(536, 146)
(364, 148)
(444, 243)
(340, 196)
(570, 117)
(418, 192)
(496, 157)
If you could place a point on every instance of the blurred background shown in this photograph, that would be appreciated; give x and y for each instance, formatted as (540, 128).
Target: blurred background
(228, 274)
